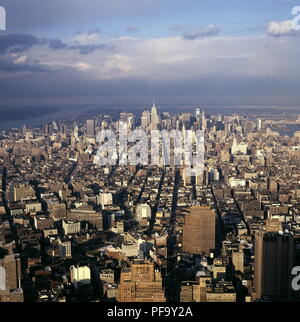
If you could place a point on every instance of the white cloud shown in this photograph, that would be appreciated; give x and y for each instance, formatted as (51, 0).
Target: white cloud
(281, 28)
(87, 38)
(176, 58)
(21, 59)
(176, 64)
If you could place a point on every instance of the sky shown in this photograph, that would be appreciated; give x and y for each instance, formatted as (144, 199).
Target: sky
(201, 52)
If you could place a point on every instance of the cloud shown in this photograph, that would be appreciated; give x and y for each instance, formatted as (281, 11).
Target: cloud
(282, 28)
(14, 43)
(10, 64)
(87, 49)
(58, 44)
(21, 59)
(18, 43)
(87, 38)
(209, 30)
(248, 70)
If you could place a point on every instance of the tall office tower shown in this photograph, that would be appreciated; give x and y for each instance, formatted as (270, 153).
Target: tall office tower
(75, 133)
(259, 125)
(46, 129)
(145, 120)
(54, 126)
(273, 265)
(10, 275)
(62, 128)
(248, 127)
(90, 127)
(154, 117)
(141, 283)
(199, 230)
(198, 114)
(24, 129)
(204, 122)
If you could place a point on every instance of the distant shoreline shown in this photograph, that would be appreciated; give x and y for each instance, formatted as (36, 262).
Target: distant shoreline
(21, 114)
(16, 117)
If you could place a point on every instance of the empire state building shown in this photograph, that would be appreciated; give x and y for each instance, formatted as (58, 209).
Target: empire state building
(154, 117)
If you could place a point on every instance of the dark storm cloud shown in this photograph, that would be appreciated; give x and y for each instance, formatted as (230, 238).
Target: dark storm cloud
(16, 43)
(207, 31)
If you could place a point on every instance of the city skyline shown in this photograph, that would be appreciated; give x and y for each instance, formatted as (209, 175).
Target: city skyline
(74, 229)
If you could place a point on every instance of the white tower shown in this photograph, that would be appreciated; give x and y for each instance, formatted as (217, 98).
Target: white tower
(154, 117)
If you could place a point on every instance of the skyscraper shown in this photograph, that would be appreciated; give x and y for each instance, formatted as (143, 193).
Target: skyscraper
(198, 114)
(204, 122)
(145, 120)
(259, 124)
(199, 230)
(90, 127)
(154, 117)
(273, 265)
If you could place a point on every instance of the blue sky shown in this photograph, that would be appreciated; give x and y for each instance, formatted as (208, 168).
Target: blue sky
(154, 18)
(233, 52)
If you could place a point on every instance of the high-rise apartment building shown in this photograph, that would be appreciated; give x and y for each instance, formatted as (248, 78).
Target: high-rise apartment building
(141, 283)
(199, 230)
(273, 265)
